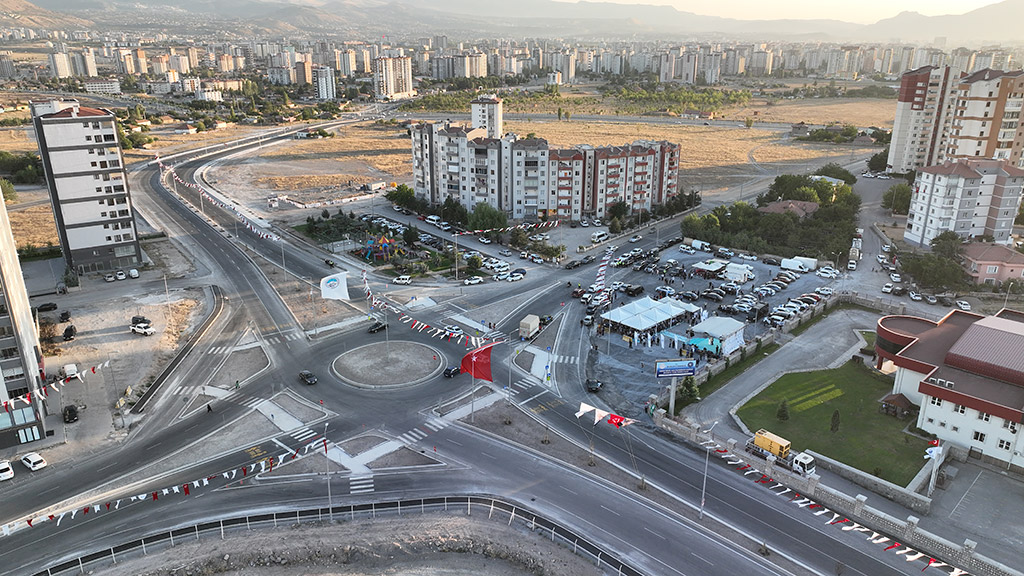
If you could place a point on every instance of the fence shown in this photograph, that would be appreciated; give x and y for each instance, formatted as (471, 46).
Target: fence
(531, 520)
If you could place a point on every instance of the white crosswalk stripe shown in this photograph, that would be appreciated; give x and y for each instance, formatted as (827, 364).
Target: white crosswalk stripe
(302, 435)
(408, 439)
(417, 433)
(433, 426)
(563, 359)
(360, 485)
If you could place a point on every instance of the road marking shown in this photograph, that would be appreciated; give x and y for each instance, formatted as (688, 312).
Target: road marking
(655, 533)
(408, 439)
(488, 455)
(281, 444)
(951, 512)
(610, 510)
(111, 465)
(709, 563)
(453, 441)
(528, 400)
(569, 491)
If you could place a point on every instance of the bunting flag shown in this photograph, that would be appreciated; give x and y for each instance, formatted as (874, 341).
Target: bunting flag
(599, 415)
(619, 421)
(584, 408)
(549, 224)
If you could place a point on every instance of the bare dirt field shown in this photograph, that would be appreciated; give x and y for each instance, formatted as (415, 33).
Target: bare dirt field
(861, 112)
(17, 140)
(167, 142)
(33, 224)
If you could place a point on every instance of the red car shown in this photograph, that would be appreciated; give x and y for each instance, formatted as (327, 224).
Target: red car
(578, 292)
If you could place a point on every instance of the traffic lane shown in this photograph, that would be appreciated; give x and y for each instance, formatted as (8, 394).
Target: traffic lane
(744, 504)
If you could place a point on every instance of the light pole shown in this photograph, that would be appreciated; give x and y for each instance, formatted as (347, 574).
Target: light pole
(707, 456)
(330, 506)
(1007, 299)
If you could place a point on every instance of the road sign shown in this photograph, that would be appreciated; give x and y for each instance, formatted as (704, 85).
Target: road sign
(675, 368)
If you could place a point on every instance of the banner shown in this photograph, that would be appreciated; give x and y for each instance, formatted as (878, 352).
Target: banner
(334, 287)
(478, 362)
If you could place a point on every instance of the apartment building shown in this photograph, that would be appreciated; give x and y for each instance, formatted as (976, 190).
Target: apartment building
(392, 78)
(966, 374)
(323, 83)
(486, 113)
(972, 197)
(924, 108)
(88, 186)
(986, 121)
(21, 358)
(60, 65)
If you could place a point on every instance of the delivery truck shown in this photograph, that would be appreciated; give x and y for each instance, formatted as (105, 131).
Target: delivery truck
(529, 326)
(793, 264)
(765, 444)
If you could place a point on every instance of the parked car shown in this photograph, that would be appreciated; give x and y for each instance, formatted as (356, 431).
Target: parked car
(748, 257)
(515, 277)
(6, 472)
(963, 305)
(915, 296)
(887, 289)
(896, 278)
(593, 385)
(824, 290)
(133, 273)
(453, 329)
(472, 280)
(47, 307)
(771, 261)
(33, 461)
(144, 329)
(634, 289)
(945, 301)
(65, 316)
(930, 299)
(505, 252)
(140, 320)
(726, 253)
(687, 249)
(70, 413)
(307, 377)
(109, 278)
(588, 320)
(377, 327)
(452, 371)
(501, 277)
(689, 295)
(484, 240)
(577, 292)
(403, 280)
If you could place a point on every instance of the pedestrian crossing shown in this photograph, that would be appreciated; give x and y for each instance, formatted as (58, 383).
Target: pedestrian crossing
(275, 339)
(521, 386)
(416, 434)
(303, 435)
(360, 484)
(563, 359)
(281, 338)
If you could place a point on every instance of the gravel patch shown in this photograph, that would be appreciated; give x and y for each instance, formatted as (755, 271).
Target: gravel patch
(360, 444)
(479, 392)
(297, 408)
(239, 366)
(402, 457)
(410, 360)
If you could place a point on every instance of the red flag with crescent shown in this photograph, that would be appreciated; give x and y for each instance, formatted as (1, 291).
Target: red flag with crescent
(478, 362)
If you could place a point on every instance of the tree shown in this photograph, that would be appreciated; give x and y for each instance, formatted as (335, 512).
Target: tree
(783, 412)
(690, 390)
(879, 162)
(325, 214)
(486, 217)
(834, 426)
(834, 170)
(615, 227)
(411, 236)
(897, 198)
(518, 238)
(618, 210)
(402, 196)
(948, 244)
(748, 122)
(10, 195)
(474, 263)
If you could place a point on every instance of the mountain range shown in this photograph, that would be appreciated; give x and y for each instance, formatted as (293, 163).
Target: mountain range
(996, 23)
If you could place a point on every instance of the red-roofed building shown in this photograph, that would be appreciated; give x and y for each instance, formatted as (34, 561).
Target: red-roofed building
(993, 263)
(966, 372)
(88, 186)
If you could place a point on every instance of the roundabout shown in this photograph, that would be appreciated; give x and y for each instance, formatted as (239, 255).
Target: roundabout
(388, 365)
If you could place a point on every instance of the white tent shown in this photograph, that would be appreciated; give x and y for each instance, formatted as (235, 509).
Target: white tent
(644, 314)
(727, 330)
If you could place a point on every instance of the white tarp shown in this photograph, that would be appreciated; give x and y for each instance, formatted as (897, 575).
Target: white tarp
(334, 287)
(727, 330)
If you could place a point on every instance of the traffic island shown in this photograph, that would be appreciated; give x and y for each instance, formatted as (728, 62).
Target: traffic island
(388, 365)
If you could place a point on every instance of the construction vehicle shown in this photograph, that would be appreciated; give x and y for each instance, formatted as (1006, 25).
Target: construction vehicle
(764, 443)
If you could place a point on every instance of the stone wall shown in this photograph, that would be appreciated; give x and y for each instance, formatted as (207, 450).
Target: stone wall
(898, 494)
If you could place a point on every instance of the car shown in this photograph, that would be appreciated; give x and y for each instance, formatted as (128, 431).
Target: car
(577, 292)
(687, 249)
(634, 289)
(484, 240)
(895, 277)
(635, 238)
(945, 301)
(828, 275)
(587, 259)
(70, 413)
(505, 252)
(665, 291)
(140, 320)
(452, 371)
(70, 332)
(65, 316)
(593, 385)
(144, 329)
(748, 257)
(403, 280)
(915, 296)
(618, 286)
(6, 472)
(109, 278)
(963, 305)
(771, 261)
(520, 271)
(930, 299)
(133, 273)
(886, 247)
(546, 319)
(689, 295)
(726, 253)
(515, 277)
(453, 329)
(501, 276)
(33, 461)
(828, 270)
(824, 290)
(572, 264)
(472, 280)
(880, 258)
(377, 327)
(307, 377)
(120, 275)
(536, 259)
(899, 291)
(713, 296)
(597, 222)
(775, 320)
(588, 320)
(887, 289)
(47, 307)
(524, 254)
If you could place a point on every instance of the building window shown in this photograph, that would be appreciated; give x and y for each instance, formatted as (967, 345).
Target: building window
(1004, 444)
(979, 436)
(1010, 425)
(931, 420)
(936, 401)
(960, 409)
(955, 428)
(993, 269)
(983, 416)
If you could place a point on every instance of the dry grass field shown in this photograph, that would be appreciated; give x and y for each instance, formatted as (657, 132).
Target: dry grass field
(861, 112)
(383, 147)
(167, 142)
(17, 140)
(34, 225)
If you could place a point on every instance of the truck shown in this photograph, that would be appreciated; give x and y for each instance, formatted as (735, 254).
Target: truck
(765, 444)
(375, 186)
(793, 264)
(809, 263)
(529, 326)
(854, 257)
(739, 273)
(701, 245)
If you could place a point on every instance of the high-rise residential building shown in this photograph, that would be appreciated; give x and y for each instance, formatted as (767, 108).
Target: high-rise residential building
(160, 64)
(20, 355)
(323, 83)
(392, 78)
(84, 63)
(281, 75)
(487, 114)
(60, 65)
(972, 197)
(193, 57)
(180, 63)
(88, 186)
(346, 64)
(225, 63)
(141, 64)
(304, 72)
(924, 106)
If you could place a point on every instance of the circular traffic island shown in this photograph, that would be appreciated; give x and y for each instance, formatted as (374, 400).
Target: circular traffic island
(388, 365)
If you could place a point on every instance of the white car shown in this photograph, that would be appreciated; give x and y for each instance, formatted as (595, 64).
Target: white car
(896, 278)
(597, 222)
(484, 240)
(403, 280)
(915, 296)
(749, 257)
(109, 278)
(536, 259)
(472, 280)
(828, 269)
(827, 274)
(133, 273)
(505, 252)
(880, 258)
(453, 329)
(824, 291)
(33, 461)
(963, 305)
(144, 329)
(501, 276)
(6, 472)
(636, 238)
(687, 250)
(584, 223)
(887, 289)
(886, 247)
(515, 277)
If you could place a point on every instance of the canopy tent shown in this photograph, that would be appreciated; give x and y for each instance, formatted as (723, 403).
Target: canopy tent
(726, 330)
(646, 314)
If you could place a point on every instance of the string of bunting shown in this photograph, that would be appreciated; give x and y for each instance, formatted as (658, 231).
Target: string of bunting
(419, 325)
(44, 390)
(202, 191)
(613, 419)
(185, 489)
(549, 224)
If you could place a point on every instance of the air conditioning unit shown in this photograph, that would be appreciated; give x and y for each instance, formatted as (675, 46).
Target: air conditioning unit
(940, 382)
(930, 380)
(949, 384)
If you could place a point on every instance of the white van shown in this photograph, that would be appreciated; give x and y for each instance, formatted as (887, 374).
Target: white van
(433, 219)
(597, 237)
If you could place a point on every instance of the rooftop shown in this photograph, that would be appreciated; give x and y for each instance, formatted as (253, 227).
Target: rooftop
(988, 252)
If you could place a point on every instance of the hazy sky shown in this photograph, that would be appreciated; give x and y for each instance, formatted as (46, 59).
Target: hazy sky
(862, 11)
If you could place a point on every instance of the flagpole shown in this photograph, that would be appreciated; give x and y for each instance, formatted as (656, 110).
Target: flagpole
(472, 394)
(330, 505)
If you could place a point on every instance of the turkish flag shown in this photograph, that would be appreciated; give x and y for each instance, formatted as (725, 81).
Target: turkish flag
(615, 420)
(478, 362)
(934, 442)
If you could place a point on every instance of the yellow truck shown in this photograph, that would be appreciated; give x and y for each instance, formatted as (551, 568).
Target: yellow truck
(765, 444)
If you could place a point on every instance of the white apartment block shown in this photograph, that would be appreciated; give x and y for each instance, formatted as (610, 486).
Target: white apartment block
(346, 63)
(88, 186)
(924, 107)
(103, 86)
(323, 83)
(971, 197)
(281, 75)
(60, 65)
(392, 78)
(486, 113)
(20, 356)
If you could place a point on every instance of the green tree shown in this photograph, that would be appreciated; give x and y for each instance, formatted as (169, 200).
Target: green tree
(615, 226)
(10, 195)
(879, 162)
(518, 238)
(748, 122)
(486, 217)
(690, 390)
(402, 196)
(783, 412)
(411, 236)
(618, 210)
(834, 170)
(897, 198)
(948, 244)
(834, 426)
(474, 263)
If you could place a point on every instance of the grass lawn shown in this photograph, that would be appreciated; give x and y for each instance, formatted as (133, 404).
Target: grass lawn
(867, 440)
(728, 374)
(869, 338)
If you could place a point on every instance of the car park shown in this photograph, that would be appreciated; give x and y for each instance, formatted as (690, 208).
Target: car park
(403, 280)
(452, 371)
(887, 289)
(33, 461)
(472, 280)
(6, 472)
(377, 327)
(963, 305)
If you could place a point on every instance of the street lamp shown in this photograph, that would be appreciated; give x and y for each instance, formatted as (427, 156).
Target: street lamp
(707, 456)
(1007, 299)
(330, 505)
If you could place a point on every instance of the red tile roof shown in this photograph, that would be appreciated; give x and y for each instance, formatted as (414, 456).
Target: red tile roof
(988, 252)
(82, 111)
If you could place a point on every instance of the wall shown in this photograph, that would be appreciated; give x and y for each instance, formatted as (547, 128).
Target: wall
(898, 494)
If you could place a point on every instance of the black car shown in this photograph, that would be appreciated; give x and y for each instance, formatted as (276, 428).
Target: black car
(771, 261)
(546, 319)
(452, 371)
(377, 327)
(689, 295)
(634, 289)
(593, 385)
(727, 308)
(587, 259)
(47, 307)
(64, 316)
(572, 264)
(519, 271)
(945, 301)
(70, 332)
(140, 320)
(307, 377)
(71, 414)
(330, 263)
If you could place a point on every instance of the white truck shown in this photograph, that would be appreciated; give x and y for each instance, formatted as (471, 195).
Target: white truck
(701, 245)
(854, 257)
(739, 273)
(529, 326)
(793, 264)
(765, 444)
(810, 263)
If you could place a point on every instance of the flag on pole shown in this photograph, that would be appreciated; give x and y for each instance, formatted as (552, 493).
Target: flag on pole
(334, 287)
(478, 362)
(934, 442)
